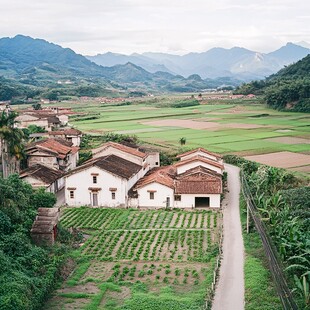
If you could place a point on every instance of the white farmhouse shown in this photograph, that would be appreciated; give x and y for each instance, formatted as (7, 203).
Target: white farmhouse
(147, 160)
(43, 176)
(103, 181)
(194, 182)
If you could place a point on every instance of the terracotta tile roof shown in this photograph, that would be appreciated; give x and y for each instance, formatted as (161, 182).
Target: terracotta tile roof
(198, 180)
(113, 164)
(66, 132)
(162, 175)
(43, 173)
(202, 159)
(58, 147)
(200, 149)
(120, 147)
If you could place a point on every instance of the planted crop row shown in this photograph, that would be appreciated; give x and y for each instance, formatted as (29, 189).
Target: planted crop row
(122, 219)
(151, 245)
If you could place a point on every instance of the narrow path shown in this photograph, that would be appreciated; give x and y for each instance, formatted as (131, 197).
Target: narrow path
(229, 293)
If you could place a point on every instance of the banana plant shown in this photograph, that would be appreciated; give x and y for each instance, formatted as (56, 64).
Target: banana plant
(302, 288)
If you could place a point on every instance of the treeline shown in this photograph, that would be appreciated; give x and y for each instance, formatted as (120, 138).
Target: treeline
(289, 89)
(19, 93)
(28, 272)
(283, 202)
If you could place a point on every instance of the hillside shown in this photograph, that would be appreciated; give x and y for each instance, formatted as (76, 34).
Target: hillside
(39, 63)
(287, 89)
(236, 62)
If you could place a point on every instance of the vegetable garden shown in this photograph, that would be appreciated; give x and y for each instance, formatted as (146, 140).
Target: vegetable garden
(134, 258)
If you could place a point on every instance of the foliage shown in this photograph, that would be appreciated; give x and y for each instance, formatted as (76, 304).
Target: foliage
(288, 89)
(286, 219)
(28, 272)
(259, 288)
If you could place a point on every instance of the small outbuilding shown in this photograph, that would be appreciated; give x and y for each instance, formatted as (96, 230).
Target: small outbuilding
(44, 228)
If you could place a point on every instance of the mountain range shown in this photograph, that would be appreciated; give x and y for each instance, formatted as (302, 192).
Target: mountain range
(236, 62)
(40, 63)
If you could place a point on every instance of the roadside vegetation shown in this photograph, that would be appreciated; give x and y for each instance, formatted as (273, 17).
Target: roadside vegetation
(283, 202)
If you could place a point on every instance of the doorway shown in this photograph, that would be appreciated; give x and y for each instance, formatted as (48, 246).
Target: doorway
(202, 202)
(95, 199)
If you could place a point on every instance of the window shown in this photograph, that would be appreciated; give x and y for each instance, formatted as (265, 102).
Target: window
(151, 195)
(156, 163)
(71, 194)
(177, 197)
(94, 179)
(113, 195)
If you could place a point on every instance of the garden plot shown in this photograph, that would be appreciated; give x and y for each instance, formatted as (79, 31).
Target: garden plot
(124, 219)
(141, 259)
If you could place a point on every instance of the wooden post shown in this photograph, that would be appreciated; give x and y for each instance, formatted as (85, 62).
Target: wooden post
(247, 218)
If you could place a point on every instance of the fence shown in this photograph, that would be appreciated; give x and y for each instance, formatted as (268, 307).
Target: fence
(274, 265)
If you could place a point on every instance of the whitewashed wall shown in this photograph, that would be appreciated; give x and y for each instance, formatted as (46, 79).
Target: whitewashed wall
(188, 200)
(209, 156)
(83, 179)
(194, 164)
(113, 151)
(160, 196)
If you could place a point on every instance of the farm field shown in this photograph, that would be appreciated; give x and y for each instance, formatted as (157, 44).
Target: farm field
(134, 259)
(228, 126)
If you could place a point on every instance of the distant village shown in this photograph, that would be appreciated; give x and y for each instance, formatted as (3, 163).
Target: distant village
(117, 175)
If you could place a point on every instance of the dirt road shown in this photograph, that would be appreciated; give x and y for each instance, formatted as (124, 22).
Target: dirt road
(229, 294)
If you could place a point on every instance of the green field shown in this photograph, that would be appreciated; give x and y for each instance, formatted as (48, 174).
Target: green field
(135, 259)
(237, 127)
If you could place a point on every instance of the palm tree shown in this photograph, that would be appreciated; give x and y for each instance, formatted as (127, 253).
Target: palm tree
(10, 142)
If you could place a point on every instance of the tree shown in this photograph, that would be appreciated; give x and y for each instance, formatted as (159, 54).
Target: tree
(182, 141)
(11, 143)
(37, 106)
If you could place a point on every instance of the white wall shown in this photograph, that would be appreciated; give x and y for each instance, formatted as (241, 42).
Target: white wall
(188, 200)
(194, 164)
(153, 160)
(83, 179)
(203, 154)
(160, 196)
(113, 151)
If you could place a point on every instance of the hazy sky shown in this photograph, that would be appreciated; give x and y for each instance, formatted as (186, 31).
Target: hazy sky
(173, 26)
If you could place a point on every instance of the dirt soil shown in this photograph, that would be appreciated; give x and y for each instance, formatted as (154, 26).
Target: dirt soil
(281, 159)
(289, 140)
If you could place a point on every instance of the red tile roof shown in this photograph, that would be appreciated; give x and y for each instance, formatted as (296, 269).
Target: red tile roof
(120, 147)
(198, 180)
(60, 148)
(200, 149)
(202, 159)
(161, 175)
(66, 132)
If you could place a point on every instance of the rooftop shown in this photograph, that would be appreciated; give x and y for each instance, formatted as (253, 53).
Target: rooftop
(121, 147)
(113, 164)
(43, 173)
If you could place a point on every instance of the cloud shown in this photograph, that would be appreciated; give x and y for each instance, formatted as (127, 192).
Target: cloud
(180, 26)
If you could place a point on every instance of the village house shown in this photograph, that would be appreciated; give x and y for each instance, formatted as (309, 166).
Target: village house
(120, 176)
(195, 187)
(43, 176)
(147, 160)
(71, 135)
(46, 121)
(53, 153)
(106, 179)
(102, 181)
